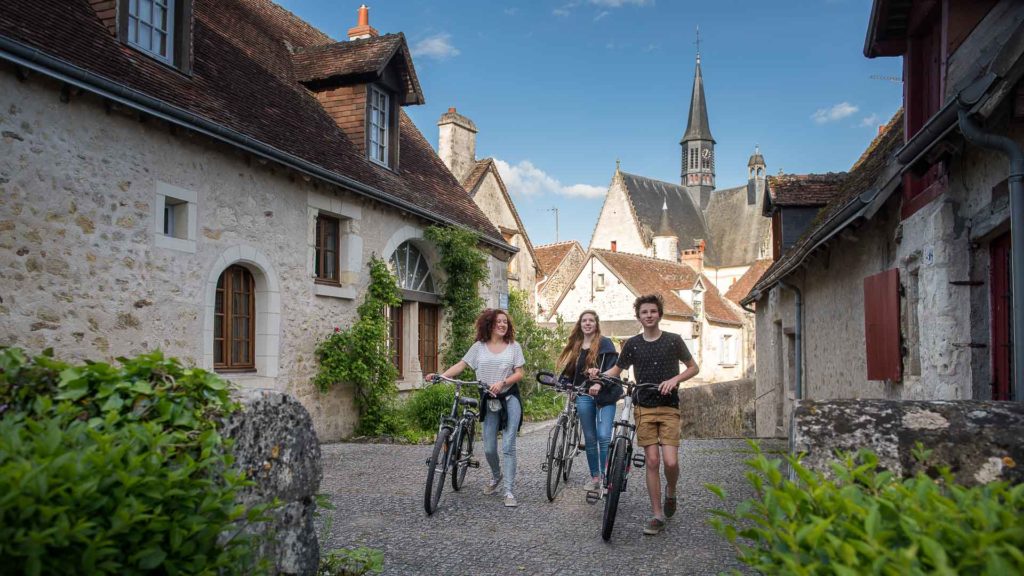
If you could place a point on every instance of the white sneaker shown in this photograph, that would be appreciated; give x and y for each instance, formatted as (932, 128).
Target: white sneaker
(510, 500)
(493, 486)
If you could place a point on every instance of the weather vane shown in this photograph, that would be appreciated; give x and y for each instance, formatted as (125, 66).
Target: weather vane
(697, 42)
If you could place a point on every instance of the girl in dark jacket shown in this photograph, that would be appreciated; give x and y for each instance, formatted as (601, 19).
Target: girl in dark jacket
(585, 354)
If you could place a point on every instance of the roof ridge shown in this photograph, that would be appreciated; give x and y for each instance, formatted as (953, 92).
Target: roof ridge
(538, 246)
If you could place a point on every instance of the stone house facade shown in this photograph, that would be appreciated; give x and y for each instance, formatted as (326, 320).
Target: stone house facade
(480, 178)
(903, 278)
(558, 264)
(217, 196)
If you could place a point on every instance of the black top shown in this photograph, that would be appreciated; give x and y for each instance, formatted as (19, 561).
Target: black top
(606, 358)
(655, 362)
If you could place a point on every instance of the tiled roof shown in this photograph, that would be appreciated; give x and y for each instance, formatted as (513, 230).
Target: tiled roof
(738, 228)
(645, 275)
(242, 79)
(366, 57)
(742, 286)
(685, 218)
(860, 179)
(804, 189)
(549, 256)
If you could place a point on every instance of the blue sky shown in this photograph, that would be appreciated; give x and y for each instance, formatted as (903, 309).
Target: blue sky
(561, 89)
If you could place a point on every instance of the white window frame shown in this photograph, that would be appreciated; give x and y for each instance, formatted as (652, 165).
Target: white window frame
(380, 131)
(727, 355)
(185, 214)
(599, 284)
(136, 24)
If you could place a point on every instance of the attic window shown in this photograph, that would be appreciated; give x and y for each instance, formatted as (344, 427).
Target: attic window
(379, 129)
(158, 28)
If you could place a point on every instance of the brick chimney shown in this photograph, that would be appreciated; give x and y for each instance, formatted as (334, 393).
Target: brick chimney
(694, 258)
(363, 29)
(456, 143)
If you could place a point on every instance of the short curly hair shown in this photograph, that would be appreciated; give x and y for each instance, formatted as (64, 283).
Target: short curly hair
(655, 299)
(485, 325)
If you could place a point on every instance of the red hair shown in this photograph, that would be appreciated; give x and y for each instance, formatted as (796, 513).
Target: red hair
(487, 320)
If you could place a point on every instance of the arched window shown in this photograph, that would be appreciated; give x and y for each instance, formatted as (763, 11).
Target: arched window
(234, 321)
(760, 172)
(411, 269)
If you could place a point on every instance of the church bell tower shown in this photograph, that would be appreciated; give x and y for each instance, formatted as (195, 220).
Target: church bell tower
(698, 154)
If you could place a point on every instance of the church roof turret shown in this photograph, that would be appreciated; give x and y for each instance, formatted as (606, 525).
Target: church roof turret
(697, 127)
(756, 159)
(664, 228)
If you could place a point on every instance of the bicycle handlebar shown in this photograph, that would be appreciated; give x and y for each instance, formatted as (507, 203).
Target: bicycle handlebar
(459, 383)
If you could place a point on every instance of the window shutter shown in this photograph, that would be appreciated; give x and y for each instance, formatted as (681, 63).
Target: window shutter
(882, 325)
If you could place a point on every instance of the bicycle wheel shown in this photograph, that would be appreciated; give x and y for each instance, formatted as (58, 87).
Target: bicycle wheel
(437, 467)
(572, 447)
(616, 475)
(462, 449)
(556, 449)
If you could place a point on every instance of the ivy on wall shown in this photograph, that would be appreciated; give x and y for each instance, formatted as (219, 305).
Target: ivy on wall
(359, 354)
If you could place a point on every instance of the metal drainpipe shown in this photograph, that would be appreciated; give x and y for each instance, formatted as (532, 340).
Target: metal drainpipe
(975, 135)
(798, 338)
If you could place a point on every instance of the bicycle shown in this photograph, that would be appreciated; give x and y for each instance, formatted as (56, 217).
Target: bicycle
(453, 447)
(564, 437)
(620, 454)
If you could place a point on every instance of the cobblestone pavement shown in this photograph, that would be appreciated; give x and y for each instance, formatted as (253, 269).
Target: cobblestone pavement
(378, 494)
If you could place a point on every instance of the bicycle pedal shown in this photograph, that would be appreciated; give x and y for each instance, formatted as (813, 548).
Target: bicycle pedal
(639, 460)
(593, 496)
(473, 463)
(544, 466)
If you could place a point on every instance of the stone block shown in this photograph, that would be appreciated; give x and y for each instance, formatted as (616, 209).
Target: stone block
(718, 410)
(980, 441)
(276, 446)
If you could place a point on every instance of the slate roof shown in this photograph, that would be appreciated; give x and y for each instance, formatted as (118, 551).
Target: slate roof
(742, 286)
(737, 227)
(648, 196)
(243, 79)
(861, 178)
(645, 275)
(697, 127)
(550, 256)
(804, 189)
(357, 58)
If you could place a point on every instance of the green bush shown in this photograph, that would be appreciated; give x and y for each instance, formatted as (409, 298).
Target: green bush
(871, 522)
(540, 345)
(351, 562)
(424, 408)
(117, 470)
(542, 404)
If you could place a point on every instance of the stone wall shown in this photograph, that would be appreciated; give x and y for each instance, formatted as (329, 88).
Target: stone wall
(980, 441)
(277, 448)
(722, 410)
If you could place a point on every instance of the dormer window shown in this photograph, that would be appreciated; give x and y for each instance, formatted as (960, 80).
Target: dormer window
(380, 122)
(158, 28)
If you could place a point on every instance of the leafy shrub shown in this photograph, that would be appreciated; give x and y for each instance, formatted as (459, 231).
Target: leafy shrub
(351, 562)
(542, 404)
(871, 522)
(359, 355)
(117, 470)
(425, 406)
(540, 345)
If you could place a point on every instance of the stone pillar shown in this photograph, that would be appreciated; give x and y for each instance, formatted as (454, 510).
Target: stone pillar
(276, 447)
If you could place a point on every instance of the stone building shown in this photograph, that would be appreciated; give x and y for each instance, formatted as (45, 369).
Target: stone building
(558, 264)
(213, 185)
(457, 148)
(903, 278)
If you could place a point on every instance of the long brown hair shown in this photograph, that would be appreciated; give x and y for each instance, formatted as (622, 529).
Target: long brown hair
(485, 325)
(572, 348)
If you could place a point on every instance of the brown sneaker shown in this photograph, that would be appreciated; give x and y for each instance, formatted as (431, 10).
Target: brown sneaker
(654, 526)
(670, 506)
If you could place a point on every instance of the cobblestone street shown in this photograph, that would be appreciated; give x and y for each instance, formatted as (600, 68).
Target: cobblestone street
(378, 492)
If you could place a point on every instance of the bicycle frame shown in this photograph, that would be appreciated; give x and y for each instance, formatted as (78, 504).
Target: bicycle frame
(448, 446)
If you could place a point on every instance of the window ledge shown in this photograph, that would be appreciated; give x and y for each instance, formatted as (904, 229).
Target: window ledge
(330, 291)
(172, 243)
(727, 364)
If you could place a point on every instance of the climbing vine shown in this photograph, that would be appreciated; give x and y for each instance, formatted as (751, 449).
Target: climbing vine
(466, 268)
(359, 354)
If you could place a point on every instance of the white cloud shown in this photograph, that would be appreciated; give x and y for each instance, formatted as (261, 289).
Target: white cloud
(837, 112)
(601, 14)
(560, 12)
(526, 179)
(870, 121)
(620, 3)
(438, 46)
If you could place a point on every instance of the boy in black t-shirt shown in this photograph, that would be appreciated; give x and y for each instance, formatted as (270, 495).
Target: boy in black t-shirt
(656, 356)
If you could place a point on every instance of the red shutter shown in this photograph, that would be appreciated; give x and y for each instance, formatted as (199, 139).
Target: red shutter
(882, 325)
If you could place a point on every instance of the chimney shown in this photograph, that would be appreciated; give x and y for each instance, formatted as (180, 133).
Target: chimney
(363, 29)
(456, 143)
(694, 258)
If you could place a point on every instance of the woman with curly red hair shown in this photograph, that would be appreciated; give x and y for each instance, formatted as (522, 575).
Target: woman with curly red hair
(498, 361)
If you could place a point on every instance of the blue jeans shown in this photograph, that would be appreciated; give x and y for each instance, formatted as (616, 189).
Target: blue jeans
(597, 431)
(508, 440)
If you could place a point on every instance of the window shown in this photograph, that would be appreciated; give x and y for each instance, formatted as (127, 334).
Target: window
(922, 67)
(325, 267)
(698, 308)
(411, 269)
(175, 218)
(379, 122)
(395, 340)
(428, 322)
(728, 351)
(599, 284)
(150, 26)
(234, 326)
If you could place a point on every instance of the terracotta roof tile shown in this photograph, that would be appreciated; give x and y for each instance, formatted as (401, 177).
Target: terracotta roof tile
(242, 78)
(804, 189)
(549, 256)
(742, 286)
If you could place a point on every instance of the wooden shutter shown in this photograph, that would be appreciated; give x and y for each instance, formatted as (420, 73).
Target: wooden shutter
(882, 325)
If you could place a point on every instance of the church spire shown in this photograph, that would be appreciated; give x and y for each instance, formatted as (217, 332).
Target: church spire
(697, 126)
(698, 146)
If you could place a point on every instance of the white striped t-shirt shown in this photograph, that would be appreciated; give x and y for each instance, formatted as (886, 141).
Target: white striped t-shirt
(491, 367)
